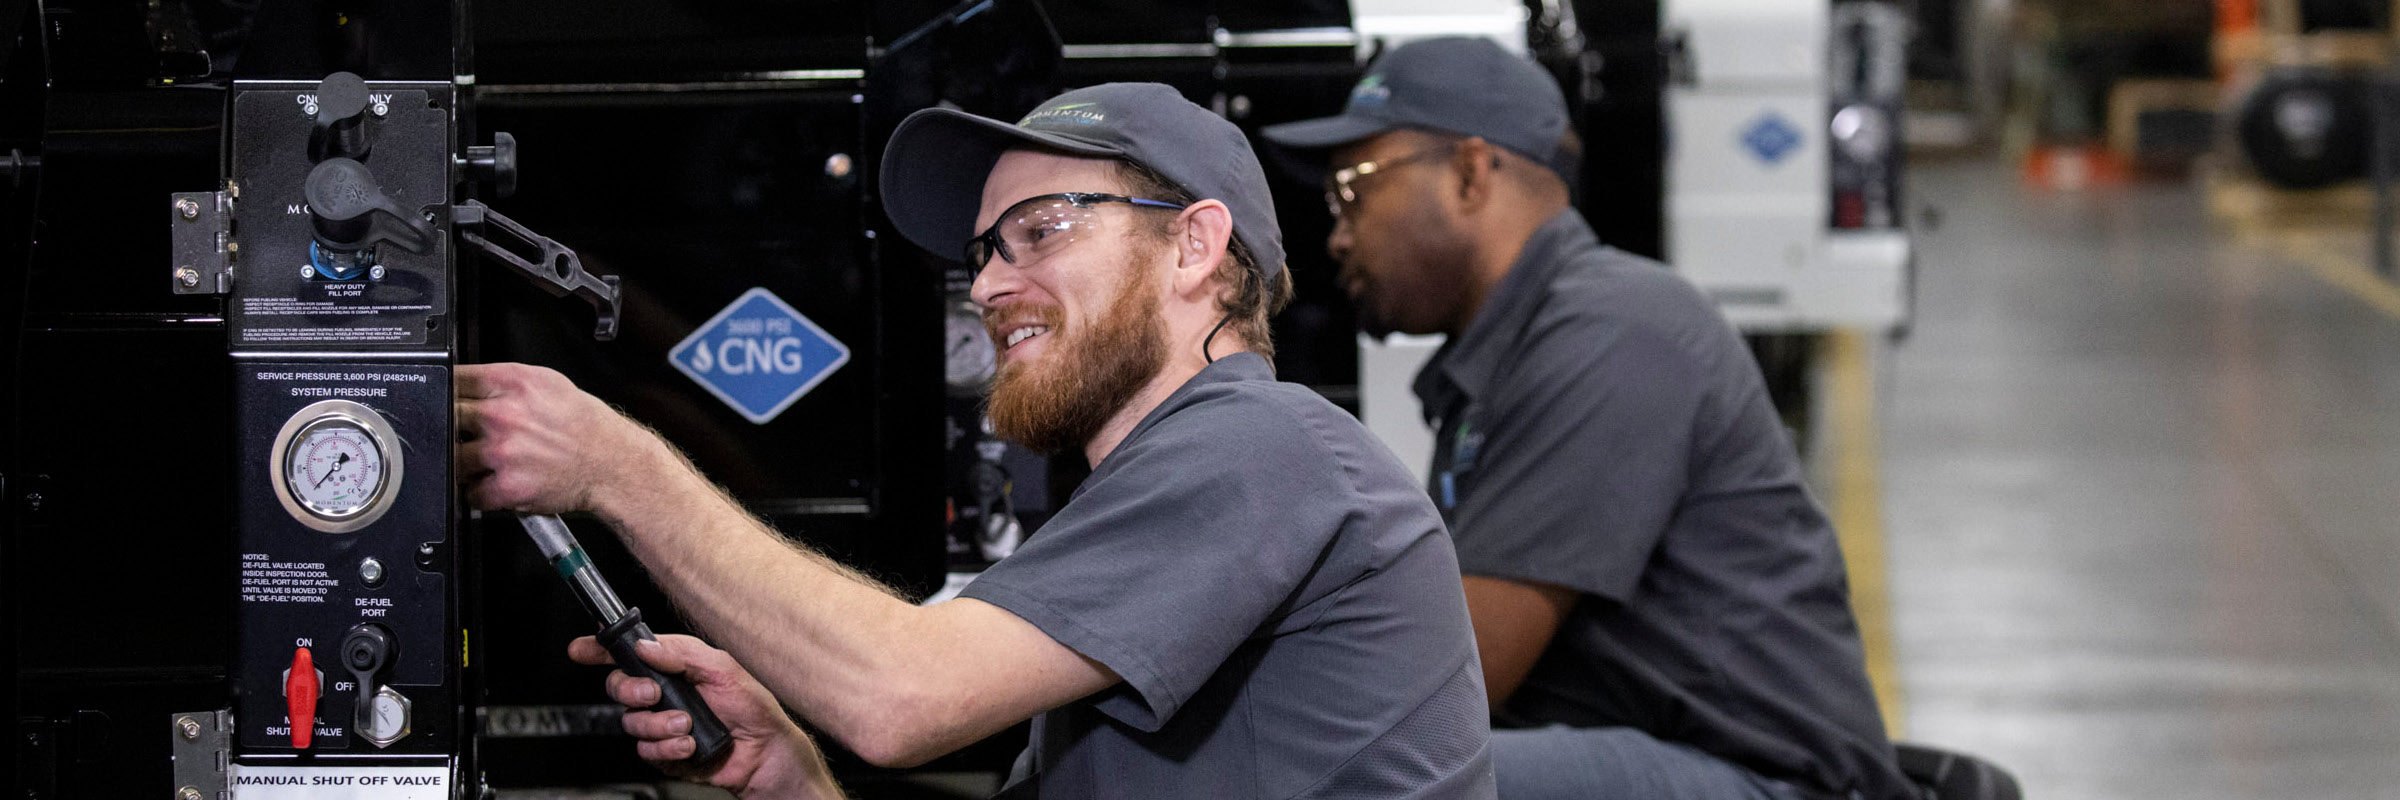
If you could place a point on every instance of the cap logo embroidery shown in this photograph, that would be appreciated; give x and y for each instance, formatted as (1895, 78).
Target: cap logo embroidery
(1370, 91)
(1071, 113)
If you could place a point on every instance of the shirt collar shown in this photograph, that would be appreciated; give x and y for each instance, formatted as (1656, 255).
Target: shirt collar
(1233, 367)
(1465, 363)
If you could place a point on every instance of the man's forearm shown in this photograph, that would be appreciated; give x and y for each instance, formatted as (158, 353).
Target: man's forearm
(829, 642)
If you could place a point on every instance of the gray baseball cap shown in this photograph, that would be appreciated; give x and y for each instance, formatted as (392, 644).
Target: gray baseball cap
(1460, 85)
(935, 166)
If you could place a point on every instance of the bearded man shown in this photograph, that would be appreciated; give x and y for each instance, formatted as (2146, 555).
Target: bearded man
(1248, 597)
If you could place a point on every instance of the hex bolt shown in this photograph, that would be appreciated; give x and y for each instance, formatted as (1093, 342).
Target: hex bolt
(187, 793)
(187, 208)
(371, 571)
(188, 277)
(190, 728)
(375, 272)
(307, 272)
(382, 109)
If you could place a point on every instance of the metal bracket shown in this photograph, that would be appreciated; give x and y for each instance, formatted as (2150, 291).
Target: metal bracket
(203, 241)
(559, 271)
(202, 746)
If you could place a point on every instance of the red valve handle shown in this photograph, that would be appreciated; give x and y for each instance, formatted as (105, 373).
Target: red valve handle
(300, 691)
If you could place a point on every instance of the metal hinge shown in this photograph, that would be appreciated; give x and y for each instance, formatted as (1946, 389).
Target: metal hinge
(203, 241)
(202, 741)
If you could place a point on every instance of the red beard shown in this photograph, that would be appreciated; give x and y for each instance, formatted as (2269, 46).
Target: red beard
(1061, 403)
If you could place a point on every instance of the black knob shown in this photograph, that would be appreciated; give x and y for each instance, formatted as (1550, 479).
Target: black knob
(352, 212)
(340, 130)
(988, 481)
(496, 164)
(366, 649)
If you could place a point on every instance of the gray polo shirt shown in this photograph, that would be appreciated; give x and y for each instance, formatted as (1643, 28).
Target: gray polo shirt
(1600, 427)
(1279, 597)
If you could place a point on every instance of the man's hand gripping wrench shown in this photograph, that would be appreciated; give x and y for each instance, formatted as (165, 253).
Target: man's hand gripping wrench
(621, 628)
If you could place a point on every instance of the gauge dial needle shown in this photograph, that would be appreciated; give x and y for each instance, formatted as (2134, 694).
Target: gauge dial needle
(338, 461)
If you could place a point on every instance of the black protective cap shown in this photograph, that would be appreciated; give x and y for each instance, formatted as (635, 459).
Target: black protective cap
(1467, 86)
(935, 166)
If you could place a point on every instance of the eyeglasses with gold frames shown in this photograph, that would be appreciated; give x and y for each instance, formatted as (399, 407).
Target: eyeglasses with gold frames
(1340, 189)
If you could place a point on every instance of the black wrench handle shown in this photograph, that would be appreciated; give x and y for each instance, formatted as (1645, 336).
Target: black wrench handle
(709, 737)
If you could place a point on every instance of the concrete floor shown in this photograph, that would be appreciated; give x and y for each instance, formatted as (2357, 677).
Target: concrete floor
(2142, 495)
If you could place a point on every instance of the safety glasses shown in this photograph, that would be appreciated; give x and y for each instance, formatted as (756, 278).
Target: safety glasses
(1339, 191)
(1039, 225)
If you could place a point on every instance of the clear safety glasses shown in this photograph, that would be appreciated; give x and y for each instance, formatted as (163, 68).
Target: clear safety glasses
(1039, 225)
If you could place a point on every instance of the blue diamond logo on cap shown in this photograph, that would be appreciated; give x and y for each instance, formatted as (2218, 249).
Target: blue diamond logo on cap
(1771, 138)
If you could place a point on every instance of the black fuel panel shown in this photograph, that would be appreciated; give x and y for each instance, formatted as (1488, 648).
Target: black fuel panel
(382, 587)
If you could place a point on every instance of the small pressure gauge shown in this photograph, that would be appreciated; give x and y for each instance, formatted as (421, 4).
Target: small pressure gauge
(970, 360)
(337, 466)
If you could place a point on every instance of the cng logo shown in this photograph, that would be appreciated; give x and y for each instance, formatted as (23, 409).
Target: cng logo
(758, 355)
(1771, 138)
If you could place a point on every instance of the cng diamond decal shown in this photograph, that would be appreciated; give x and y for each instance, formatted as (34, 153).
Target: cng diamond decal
(1771, 138)
(758, 355)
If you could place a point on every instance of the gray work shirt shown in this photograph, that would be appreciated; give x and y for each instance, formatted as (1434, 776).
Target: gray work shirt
(1599, 427)
(1279, 597)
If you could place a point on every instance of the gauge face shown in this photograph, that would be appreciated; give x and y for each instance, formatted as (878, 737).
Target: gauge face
(1863, 132)
(971, 359)
(336, 467)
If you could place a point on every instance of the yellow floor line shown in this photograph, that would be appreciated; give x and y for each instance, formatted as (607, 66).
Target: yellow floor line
(2345, 271)
(1857, 509)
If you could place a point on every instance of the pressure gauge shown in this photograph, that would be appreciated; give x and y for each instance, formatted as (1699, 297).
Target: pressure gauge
(971, 358)
(337, 466)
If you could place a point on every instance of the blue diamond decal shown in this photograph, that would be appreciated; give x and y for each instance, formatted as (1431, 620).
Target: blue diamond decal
(759, 355)
(1771, 138)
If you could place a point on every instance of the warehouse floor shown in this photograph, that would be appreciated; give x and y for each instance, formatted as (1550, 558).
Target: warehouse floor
(2141, 496)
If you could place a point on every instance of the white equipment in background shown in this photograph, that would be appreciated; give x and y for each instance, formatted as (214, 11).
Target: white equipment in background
(1783, 155)
(1783, 174)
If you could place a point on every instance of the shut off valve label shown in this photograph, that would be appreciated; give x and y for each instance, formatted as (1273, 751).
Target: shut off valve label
(253, 782)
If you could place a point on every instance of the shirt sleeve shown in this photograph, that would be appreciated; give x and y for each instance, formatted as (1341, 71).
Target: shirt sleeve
(1584, 456)
(1182, 545)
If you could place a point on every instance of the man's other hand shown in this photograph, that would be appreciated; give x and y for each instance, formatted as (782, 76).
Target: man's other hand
(770, 757)
(530, 441)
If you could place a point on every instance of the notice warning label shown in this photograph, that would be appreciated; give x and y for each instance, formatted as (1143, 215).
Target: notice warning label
(269, 581)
